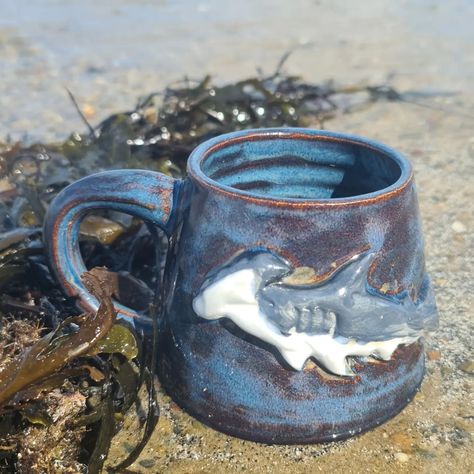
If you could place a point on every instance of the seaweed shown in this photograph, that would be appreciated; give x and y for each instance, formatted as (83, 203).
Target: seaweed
(66, 355)
(49, 355)
(57, 348)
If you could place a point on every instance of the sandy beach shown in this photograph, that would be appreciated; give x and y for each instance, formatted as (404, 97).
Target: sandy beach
(111, 53)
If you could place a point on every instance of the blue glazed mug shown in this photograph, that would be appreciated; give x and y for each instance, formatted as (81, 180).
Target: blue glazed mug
(296, 291)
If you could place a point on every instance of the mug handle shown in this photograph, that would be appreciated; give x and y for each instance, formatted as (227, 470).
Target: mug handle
(148, 195)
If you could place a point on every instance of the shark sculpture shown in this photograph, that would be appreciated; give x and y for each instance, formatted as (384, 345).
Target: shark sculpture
(331, 321)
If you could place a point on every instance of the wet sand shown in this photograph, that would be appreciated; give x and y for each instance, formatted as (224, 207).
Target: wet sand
(132, 48)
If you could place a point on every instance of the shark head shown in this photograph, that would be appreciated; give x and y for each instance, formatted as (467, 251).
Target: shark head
(233, 292)
(236, 284)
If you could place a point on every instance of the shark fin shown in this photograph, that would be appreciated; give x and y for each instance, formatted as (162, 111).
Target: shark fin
(296, 358)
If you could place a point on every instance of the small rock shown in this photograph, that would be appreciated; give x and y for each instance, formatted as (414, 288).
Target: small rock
(402, 441)
(147, 462)
(419, 397)
(433, 355)
(402, 457)
(102, 229)
(128, 447)
(467, 366)
(150, 115)
(458, 227)
(464, 426)
(88, 111)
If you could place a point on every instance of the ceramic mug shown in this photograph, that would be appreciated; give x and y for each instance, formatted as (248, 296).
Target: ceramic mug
(296, 292)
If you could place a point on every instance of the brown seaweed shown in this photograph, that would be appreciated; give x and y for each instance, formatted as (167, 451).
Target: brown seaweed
(56, 349)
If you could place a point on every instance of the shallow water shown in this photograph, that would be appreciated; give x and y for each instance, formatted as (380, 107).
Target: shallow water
(108, 52)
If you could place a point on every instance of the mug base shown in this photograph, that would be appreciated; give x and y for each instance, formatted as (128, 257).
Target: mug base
(267, 403)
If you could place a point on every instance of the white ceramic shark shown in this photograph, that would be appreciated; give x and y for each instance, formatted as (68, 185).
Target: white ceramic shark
(249, 291)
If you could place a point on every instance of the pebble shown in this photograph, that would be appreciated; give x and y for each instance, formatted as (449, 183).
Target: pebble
(433, 355)
(419, 397)
(147, 463)
(402, 457)
(128, 447)
(102, 229)
(458, 227)
(464, 426)
(467, 366)
(89, 111)
(402, 441)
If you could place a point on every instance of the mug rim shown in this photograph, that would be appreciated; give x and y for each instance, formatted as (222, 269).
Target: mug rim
(202, 151)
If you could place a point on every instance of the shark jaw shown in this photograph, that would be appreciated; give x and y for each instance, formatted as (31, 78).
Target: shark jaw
(234, 296)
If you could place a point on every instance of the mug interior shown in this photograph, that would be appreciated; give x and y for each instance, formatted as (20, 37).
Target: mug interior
(301, 166)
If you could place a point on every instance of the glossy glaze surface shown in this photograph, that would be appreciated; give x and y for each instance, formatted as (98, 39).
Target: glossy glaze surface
(221, 374)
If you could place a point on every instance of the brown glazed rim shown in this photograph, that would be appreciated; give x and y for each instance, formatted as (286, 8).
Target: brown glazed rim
(200, 153)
